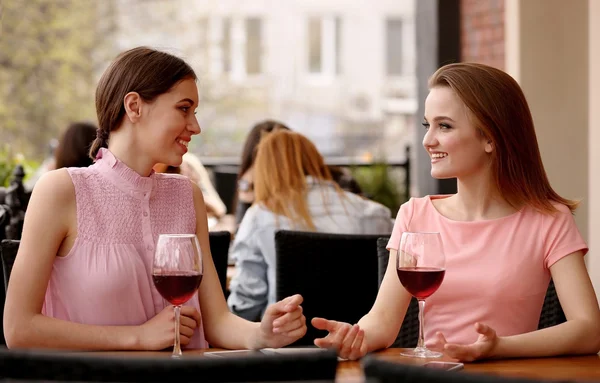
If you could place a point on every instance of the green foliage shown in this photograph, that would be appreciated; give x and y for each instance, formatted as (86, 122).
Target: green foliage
(48, 49)
(8, 161)
(378, 185)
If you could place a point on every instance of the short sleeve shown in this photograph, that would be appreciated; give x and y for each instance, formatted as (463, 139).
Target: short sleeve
(401, 224)
(562, 236)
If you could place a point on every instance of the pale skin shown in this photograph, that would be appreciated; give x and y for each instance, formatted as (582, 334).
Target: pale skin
(141, 141)
(477, 199)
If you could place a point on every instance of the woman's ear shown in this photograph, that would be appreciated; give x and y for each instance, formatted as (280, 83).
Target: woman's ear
(489, 146)
(133, 105)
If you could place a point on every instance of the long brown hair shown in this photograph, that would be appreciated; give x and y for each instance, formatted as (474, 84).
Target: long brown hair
(501, 113)
(146, 71)
(283, 161)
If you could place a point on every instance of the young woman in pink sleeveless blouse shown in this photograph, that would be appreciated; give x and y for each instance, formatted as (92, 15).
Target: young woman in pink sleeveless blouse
(505, 233)
(82, 276)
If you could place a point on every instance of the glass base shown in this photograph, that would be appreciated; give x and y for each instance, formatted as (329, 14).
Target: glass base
(422, 352)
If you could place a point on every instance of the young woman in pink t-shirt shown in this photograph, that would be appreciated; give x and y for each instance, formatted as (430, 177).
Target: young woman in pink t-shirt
(82, 278)
(506, 232)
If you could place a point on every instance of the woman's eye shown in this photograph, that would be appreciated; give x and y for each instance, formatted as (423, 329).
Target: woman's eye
(185, 108)
(445, 126)
(426, 125)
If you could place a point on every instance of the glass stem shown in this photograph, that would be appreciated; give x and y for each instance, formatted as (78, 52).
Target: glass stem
(421, 343)
(177, 345)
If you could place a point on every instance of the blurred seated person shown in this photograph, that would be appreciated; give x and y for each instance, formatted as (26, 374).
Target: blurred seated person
(294, 190)
(74, 146)
(245, 194)
(192, 168)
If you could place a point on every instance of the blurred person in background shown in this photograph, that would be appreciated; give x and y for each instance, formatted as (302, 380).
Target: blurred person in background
(192, 168)
(74, 146)
(293, 190)
(245, 184)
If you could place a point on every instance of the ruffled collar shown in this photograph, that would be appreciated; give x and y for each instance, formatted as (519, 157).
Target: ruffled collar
(122, 175)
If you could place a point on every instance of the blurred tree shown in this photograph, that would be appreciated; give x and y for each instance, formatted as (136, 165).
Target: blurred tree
(50, 51)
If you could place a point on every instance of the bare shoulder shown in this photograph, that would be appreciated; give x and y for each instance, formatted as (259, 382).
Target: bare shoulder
(56, 185)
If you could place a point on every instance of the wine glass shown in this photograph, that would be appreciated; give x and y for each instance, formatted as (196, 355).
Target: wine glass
(177, 273)
(421, 268)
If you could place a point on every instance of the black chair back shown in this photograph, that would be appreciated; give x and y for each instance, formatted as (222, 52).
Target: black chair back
(8, 253)
(385, 371)
(219, 248)
(408, 336)
(76, 366)
(552, 312)
(335, 273)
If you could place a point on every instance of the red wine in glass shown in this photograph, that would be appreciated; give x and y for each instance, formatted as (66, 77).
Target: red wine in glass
(177, 273)
(421, 282)
(421, 267)
(177, 287)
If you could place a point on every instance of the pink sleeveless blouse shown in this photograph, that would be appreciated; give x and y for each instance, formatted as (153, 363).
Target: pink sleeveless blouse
(106, 279)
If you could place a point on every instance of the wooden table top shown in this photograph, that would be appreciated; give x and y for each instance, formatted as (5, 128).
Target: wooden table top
(583, 368)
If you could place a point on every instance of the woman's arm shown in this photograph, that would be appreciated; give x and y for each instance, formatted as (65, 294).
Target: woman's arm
(382, 323)
(580, 334)
(282, 323)
(222, 328)
(50, 219)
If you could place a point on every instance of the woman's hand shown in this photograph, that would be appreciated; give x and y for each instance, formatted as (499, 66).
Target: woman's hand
(283, 323)
(483, 347)
(159, 332)
(346, 339)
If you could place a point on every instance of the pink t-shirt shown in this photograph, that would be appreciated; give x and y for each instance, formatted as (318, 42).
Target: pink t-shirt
(497, 271)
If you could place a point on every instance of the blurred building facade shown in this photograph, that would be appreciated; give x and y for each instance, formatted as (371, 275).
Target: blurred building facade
(340, 71)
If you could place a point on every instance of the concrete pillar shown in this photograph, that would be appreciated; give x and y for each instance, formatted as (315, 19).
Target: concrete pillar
(438, 43)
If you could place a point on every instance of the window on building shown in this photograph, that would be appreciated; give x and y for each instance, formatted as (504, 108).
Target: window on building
(324, 45)
(253, 45)
(236, 46)
(394, 56)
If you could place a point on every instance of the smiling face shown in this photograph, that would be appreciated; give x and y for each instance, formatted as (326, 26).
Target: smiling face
(456, 147)
(168, 123)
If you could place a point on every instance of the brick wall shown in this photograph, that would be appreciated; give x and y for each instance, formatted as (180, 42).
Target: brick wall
(482, 31)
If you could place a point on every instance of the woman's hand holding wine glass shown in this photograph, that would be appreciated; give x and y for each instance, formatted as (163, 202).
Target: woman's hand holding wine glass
(158, 332)
(177, 273)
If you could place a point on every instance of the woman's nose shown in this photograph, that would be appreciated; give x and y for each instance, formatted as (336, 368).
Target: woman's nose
(194, 127)
(429, 139)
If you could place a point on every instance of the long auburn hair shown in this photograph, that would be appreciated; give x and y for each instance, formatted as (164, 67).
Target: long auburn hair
(283, 161)
(257, 132)
(502, 115)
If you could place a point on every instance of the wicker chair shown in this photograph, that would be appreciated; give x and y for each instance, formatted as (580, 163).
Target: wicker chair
(8, 253)
(409, 332)
(335, 273)
(219, 249)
